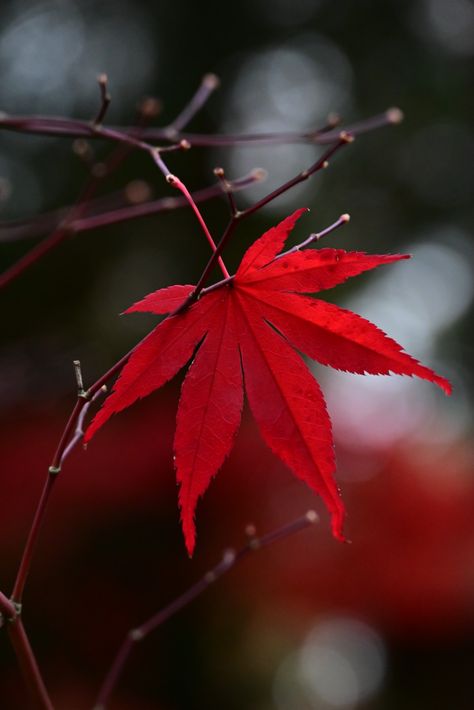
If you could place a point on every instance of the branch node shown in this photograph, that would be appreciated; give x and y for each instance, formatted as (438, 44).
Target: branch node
(312, 516)
(211, 81)
(171, 179)
(259, 174)
(136, 635)
(394, 115)
(210, 577)
(105, 100)
(255, 543)
(184, 144)
(79, 380)
(54, 470)
(228, 558)
(250, 530)
(18, 609)
(346, 137)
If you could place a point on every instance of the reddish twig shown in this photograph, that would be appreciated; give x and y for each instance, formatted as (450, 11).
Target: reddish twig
(10, 615)
(27, 662)
(86, 397)
(128, 139)
(176, 182)
(71, 436)
(227, 189)
(343, 219)
(229, 560)
(236, 216)
(24, 229)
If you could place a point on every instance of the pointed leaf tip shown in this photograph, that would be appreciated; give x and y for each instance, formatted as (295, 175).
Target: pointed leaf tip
(165, 300)
(443, 383)
(189, 531)
(264, 249)
(337, 522)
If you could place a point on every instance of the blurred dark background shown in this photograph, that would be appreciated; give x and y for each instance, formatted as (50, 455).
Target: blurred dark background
(310, 624)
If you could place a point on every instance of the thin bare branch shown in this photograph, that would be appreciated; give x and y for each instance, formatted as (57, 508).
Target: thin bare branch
(229, 560)
(105, 99)
(322, 162)
(316, 236)
(209, 84)
(343, 219)
(179, 185)
(75, 128)
(97, 216)
(28, 665)
(226, 189)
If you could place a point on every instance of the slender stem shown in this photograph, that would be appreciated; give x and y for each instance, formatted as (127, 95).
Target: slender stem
(79, 430)
(176, 182)
(95, 130)
(322, 162)
(228, 561)
(74, 128)
(230, 229)
(209, 83)
(63, 230)
(390, 117)
(226, 188)
(23, 229)
(343, 219)
(127, 139)
(32, 539)
(68, 440)
(343, 139)
(105, 99)
(28, 665)
(34, 255)
(7, 608)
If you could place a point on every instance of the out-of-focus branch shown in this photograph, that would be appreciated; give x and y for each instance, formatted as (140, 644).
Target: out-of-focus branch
(28, 665)
(122, 211)
(229, 559)
(75, 128)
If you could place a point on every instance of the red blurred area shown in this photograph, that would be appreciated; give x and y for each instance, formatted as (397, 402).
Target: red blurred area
(111, 552)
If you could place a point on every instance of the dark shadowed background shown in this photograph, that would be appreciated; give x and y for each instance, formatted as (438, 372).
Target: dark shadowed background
(310, 624)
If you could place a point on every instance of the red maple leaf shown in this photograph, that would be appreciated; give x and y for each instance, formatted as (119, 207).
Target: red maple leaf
(246, 332)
